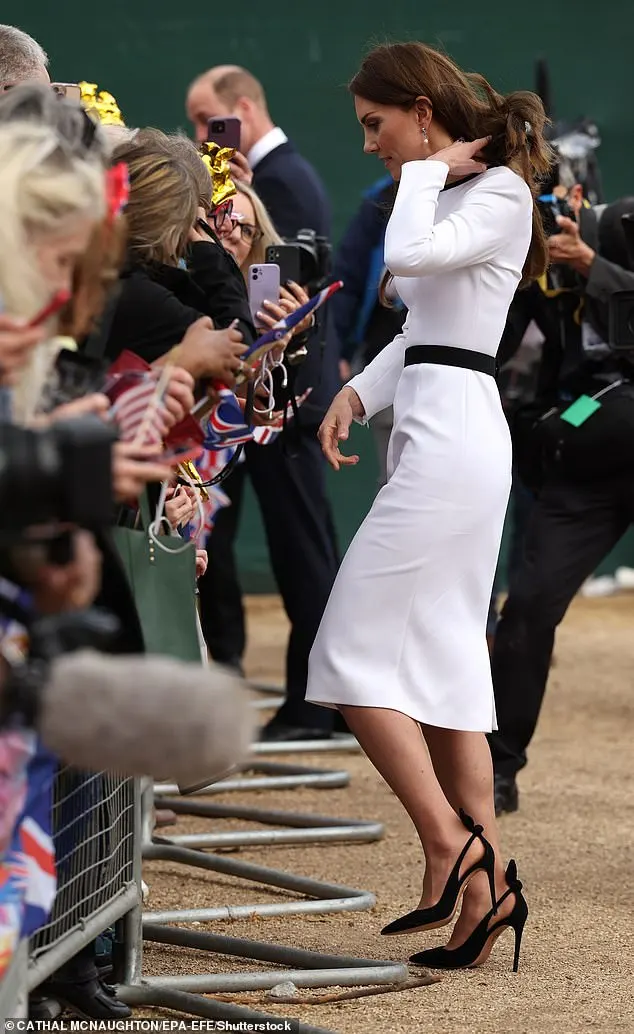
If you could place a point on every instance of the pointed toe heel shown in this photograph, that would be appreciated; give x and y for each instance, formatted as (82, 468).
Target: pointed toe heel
(483, 937)
(445, 908)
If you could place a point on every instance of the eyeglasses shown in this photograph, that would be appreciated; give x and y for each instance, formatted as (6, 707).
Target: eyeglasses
(223, 219)
(250, 234)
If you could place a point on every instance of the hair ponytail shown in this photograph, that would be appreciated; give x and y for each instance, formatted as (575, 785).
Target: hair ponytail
(516, 124)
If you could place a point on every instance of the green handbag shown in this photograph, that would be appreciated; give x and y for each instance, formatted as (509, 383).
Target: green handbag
(162, 575)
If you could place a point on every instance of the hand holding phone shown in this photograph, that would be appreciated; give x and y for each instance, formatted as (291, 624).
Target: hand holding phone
(263, 286)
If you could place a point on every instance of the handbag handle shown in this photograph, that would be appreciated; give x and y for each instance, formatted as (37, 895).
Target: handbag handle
(153, 526)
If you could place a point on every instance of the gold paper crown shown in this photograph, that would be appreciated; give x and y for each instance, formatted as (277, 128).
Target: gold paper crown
(101, 105)
(217, 160)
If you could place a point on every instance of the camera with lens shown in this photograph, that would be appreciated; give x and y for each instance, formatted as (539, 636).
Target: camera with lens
(305, 258)
(315, 254)
(550, 207)
(61, 475)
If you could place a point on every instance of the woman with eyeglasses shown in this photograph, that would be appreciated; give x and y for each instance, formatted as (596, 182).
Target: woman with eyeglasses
(246, 231)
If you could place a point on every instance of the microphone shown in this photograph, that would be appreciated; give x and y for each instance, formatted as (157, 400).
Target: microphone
(145, 715)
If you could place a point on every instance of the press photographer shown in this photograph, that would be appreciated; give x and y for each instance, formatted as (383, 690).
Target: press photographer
(573, 446)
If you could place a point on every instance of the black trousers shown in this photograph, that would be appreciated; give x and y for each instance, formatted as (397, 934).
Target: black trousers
(571, 529)
(290, 487)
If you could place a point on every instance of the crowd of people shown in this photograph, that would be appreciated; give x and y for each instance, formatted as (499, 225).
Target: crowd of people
(125, 259)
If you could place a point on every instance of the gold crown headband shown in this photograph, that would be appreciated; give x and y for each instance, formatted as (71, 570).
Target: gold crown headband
(216, 160)
(101, 105)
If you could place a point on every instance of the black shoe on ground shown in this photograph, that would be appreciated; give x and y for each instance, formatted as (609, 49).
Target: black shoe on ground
(278, 732)
(90, 999)
(506, 794)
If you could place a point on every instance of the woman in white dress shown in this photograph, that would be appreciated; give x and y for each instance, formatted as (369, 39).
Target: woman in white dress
(401, 650)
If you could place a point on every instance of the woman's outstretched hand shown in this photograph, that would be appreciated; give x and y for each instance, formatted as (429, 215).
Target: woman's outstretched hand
(460, 156)
(335, 427)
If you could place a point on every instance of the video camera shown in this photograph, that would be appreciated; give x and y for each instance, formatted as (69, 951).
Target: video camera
(60, 475)
(550, 207)
(306, 259)
(315, 257)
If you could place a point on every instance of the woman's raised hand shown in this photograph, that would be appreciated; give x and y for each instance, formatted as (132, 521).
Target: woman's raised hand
(460, 156)
(335, 427)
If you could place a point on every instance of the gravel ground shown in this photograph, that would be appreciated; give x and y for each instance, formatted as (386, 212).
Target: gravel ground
(572, 838)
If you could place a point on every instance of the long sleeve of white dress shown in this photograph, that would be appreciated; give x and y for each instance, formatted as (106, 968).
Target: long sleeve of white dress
(417, 246)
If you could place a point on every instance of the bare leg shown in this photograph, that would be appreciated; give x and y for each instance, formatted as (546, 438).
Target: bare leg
(394, 744)
(462, 763)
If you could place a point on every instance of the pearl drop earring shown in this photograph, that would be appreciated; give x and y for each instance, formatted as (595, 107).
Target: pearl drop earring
(424, 132)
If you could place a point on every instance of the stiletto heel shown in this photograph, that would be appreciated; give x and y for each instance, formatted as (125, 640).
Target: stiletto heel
(491, 875)
(474, 950)
(519, 930)
(444, 910)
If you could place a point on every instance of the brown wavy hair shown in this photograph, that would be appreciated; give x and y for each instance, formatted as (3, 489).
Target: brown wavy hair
(164, 197)
(467, 106)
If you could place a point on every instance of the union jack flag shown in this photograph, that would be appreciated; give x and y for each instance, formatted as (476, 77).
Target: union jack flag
(27, 866)
(289, 322)
(226, 425)
(219, 452)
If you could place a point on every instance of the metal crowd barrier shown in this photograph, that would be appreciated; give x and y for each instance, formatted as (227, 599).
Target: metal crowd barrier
(304, 968)
(94, 823)
(97, 834)
(13, 993)
(103, 825)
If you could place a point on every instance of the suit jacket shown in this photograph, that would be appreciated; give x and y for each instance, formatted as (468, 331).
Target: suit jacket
(296, 199)
(292, 191)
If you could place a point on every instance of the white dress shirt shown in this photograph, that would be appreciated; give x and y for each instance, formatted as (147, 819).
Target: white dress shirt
(267, 143)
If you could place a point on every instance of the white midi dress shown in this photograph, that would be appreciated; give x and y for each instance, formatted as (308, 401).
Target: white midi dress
(405, 625)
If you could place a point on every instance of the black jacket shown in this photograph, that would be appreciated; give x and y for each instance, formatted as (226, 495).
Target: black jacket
(156, 304)
(566, 371)
(292, 192)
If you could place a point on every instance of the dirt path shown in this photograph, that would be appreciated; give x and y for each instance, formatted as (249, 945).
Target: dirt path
(573, 838)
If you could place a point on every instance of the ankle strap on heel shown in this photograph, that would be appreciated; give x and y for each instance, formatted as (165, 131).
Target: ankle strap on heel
(469, 824)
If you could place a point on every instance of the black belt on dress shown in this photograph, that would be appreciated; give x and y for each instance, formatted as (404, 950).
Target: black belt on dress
(442, 355)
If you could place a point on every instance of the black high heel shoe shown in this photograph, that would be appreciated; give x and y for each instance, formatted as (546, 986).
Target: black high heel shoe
(470, 953)
(445, 908)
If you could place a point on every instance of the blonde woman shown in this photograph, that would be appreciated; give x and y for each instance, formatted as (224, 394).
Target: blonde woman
(50, 202)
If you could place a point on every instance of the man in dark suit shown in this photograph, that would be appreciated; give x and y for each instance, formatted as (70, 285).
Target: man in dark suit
(289, 481)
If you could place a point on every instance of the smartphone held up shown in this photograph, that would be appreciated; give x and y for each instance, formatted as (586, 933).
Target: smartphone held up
(224, 131)
(263, 286)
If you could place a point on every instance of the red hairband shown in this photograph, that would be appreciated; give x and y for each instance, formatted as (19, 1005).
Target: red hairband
(117, 190)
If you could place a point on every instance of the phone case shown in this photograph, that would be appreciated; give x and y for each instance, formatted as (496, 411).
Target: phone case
(224, 131)
(264, 285)
(286, 256)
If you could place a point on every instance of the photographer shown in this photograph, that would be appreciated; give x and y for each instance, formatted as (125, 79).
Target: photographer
(574, 451)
